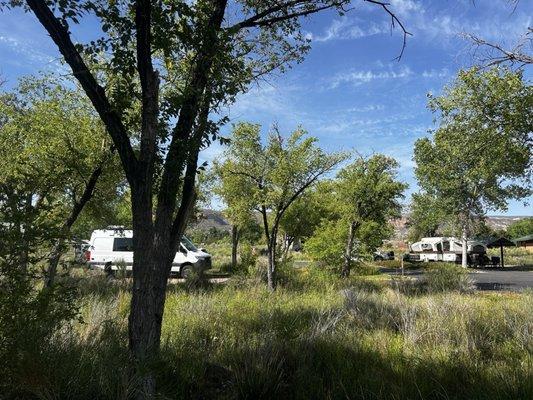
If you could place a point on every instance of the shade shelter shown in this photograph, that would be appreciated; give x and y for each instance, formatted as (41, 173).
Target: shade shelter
(501, 243)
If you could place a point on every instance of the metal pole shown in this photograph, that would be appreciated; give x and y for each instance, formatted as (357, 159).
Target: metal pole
(501, 253)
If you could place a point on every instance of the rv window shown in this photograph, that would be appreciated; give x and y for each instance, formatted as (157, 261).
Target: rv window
(446, 245)
(123, 244)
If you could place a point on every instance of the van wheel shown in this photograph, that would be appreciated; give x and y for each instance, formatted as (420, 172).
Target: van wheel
(378, 258)
(108, 270)
(185, 271)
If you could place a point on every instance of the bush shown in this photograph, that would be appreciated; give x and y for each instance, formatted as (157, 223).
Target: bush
(197, 280)
(30, 317)
(247, 258)
(443, 277)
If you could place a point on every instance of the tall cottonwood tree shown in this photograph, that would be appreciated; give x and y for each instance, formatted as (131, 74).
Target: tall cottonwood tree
(272, 176)
(480, 155)
(368, 192)
(157, 72)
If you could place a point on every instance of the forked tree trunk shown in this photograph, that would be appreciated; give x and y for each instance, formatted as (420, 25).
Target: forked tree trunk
(234, 246)
(346, 268)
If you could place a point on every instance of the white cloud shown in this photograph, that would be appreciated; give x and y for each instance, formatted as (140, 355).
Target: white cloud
(345, 29)
(442, 73)
(366, 108)
(360, 77)
(404, 7)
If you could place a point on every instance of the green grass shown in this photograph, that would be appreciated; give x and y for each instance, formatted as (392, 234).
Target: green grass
(316, 337)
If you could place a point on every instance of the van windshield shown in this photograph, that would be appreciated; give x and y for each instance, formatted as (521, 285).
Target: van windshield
(188, 244)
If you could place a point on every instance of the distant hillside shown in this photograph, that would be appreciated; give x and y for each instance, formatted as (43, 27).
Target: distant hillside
(496, 222)
(502, 222)
(209, 219)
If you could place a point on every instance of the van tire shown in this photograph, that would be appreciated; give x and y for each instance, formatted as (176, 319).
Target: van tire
(108, 270)
(185, 271)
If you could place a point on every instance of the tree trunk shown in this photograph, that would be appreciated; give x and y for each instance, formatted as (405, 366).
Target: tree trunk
(348, 252)
(150, 269)
(287, 242)
(234, 246)
(53, 262)
(464, 257)
(271, 271)
(272, 250)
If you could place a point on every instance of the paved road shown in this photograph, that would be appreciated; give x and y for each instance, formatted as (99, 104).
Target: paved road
(487, 279)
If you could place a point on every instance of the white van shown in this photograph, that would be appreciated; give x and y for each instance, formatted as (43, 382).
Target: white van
(113, 247)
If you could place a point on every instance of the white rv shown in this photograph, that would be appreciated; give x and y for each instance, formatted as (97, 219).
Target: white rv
(447, 249)
(113, 247)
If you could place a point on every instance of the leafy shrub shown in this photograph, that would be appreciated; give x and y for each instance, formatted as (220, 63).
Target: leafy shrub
(327, 243)
(247, 258)
(29, 318)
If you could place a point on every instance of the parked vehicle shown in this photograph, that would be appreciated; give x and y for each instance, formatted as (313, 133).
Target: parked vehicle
(383, 255)
(448, 249)
(112, 248)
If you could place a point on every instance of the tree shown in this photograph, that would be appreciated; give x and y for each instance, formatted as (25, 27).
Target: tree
(303, 217)
(156, 74)
(272, 177)
(425, 216)
(480, 155)
(53, 152)
(368, 196)
(523, 227)
(238, 196)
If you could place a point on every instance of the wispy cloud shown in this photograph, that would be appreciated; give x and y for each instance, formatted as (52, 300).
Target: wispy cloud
(360, 77)
(433, 73)
(345, 28)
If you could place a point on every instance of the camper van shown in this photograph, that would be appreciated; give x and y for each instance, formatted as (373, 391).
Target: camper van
(447, 249)
(113, 247)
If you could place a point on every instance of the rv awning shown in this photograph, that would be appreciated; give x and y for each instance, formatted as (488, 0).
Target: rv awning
(500, 242)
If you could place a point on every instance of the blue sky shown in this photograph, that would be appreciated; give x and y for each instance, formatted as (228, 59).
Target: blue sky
(349, 92)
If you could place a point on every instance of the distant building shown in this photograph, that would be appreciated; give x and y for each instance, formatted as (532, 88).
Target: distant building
(525, 242)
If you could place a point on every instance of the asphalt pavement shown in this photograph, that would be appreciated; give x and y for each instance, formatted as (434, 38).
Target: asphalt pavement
(510, 279)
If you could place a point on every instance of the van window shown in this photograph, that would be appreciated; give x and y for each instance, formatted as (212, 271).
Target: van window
(188, 244)
(123, 244)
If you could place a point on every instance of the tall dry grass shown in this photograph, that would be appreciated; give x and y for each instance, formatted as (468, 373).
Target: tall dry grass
(316, 337)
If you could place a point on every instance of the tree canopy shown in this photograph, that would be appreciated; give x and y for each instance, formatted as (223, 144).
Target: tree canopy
(269, 178)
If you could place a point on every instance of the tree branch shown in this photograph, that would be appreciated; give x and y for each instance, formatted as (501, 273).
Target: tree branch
(394, 20)
(260, 20)
(177, 154)
(515, 55)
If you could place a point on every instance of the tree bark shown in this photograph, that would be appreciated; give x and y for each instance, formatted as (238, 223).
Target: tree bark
(464, 238)
(348, 252)
(271, 271)
(234, 246)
